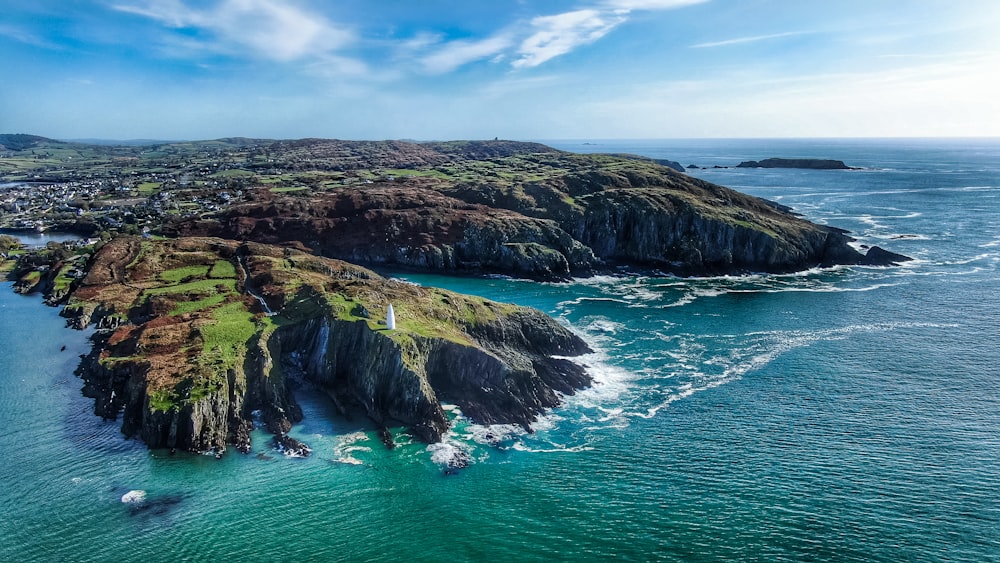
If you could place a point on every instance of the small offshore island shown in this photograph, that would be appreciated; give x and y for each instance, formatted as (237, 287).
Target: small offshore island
(804, 163)
(219, 273)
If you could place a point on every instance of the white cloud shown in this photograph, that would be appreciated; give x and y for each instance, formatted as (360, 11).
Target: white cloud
(268, 28)
(629, 5)
(26, 37)
(420, 41)
(560, 34)
(547, 37)
(170, 12)
(751, 39)
(457, 53)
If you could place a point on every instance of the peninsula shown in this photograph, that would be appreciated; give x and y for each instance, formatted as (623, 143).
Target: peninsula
(200, 335)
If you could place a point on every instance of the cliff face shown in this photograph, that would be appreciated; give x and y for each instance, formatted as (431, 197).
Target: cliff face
(680, 235)
(413, 226)
(544, 215)
(190, 354)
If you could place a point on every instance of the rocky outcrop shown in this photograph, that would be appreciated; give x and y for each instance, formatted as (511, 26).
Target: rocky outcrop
(194, 360)
(878, 256)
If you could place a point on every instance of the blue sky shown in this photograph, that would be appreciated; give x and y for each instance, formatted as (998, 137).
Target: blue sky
(517, 69)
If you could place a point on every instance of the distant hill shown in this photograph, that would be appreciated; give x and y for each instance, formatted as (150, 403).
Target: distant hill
(21, 141)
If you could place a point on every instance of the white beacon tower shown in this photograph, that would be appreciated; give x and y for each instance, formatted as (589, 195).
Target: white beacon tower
(390, 318)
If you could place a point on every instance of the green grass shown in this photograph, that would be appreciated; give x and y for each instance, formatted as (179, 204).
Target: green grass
(62, 280)
(226, 339)
(148, 188)
(176, 275)
(288, 189)
(32, 277)
(222, 269)
(343, 308)
(162, 400)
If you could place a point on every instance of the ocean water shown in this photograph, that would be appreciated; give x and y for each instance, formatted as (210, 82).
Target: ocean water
(845, 414)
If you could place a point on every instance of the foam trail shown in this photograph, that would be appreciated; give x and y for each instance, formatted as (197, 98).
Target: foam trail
(346, 447)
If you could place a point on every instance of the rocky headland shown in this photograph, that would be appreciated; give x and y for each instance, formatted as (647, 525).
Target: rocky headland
(200, 336)
(533, 212)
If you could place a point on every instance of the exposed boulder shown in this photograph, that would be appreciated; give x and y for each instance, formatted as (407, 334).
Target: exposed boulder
(878, 256)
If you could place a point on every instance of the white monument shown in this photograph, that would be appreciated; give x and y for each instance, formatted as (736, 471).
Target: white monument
(390, 318)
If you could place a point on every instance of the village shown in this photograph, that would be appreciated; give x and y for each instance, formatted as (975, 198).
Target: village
(90, 207)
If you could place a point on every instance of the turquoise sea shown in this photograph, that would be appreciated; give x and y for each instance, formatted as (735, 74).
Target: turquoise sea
(847, 414)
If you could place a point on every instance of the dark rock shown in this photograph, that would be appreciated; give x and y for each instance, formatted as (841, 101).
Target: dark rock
(385, 436)
(669, 164)
(291, 447)
(877, 256)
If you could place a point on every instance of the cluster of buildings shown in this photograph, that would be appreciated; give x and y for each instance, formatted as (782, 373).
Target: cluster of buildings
(100, 205)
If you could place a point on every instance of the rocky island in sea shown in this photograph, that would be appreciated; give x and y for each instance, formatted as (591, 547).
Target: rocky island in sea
(806, 163)
(251, 288)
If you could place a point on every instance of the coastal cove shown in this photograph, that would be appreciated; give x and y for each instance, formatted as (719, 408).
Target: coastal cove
(839, 414)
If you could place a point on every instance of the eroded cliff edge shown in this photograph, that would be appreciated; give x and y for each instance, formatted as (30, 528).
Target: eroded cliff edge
(200, 335)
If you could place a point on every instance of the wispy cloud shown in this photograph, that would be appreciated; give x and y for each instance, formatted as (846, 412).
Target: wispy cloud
(751, 39)
(460, 52)
(540, 40)
(560, 34)
(650, 4)
(267, 28)
(26, 37)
